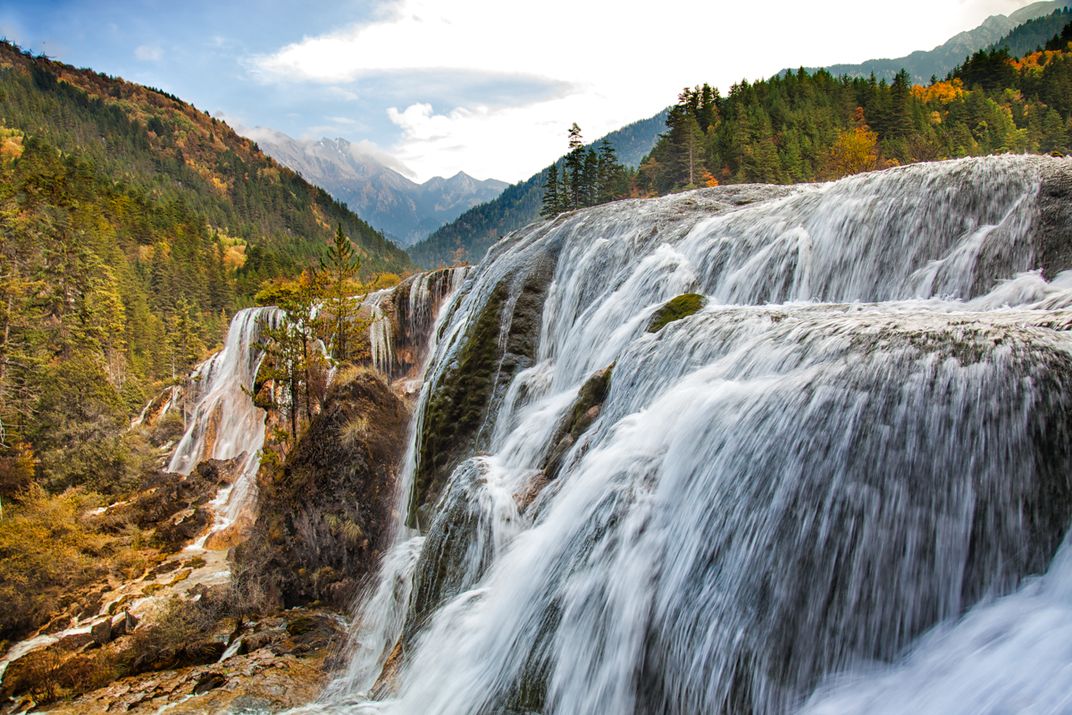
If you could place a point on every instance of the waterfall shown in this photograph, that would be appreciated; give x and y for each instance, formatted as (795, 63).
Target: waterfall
(224, 423)
(382, 609)
(381, 334)
(401, 318)
(841, 484)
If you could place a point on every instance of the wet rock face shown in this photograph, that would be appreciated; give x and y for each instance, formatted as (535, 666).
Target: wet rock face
(501, 342)
(324, 517)
(411, 309)
(175, 506)
(582, 413)
(1055, 221)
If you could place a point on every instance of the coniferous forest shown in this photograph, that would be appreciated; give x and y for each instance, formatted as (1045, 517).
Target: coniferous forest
(133, 226)
(814, 126)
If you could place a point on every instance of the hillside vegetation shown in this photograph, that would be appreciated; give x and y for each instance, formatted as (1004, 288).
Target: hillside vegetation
(814, 126)
(131, 227)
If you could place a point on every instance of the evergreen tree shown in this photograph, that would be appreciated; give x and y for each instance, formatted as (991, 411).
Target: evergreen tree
(339, 268)
(613, 177)
(590, 179)
(551, 198)
(574, 168)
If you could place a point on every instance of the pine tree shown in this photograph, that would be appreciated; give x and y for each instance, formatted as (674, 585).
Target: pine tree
(613, 177)
(339, 267)
(590, 178)
(574, 168)
(551, 198)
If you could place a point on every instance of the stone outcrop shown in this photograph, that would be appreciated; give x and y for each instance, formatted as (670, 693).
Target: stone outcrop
(272, 664)
(501, 342)
(175, 507)
(324, 515)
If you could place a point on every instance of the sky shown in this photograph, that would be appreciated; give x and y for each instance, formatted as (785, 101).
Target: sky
(488, 87)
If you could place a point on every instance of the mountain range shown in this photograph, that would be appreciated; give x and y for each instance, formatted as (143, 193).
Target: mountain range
(403, 209)
(922, 65)
(469, 236)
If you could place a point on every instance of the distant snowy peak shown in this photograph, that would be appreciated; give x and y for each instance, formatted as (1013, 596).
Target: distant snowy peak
(373, 184)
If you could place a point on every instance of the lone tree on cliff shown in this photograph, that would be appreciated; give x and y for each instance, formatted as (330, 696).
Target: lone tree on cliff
(339, 268)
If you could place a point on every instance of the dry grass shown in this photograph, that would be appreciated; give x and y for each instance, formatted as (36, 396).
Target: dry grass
(50, 550)
(355, 430)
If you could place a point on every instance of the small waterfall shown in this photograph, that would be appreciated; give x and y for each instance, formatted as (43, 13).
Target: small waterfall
(381, 333)
(401, 318)
(381, 609)
(224, 423)
(833, 487)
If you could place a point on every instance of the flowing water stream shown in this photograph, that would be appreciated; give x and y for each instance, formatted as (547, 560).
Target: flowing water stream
(840, 486)
(224, 423)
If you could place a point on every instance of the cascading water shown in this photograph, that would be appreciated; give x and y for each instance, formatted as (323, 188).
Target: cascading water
(785, 500)
(430, 297)
(402, 317)
(381, 335)
(224, 423)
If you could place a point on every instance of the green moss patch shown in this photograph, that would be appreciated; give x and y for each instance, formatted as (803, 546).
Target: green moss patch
(456, 407)
(677, 308)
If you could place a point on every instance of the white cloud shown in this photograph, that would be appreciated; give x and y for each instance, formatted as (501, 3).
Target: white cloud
(347, 95)
(618, 62)
(360, 150)
(368, 149)
(148, 53)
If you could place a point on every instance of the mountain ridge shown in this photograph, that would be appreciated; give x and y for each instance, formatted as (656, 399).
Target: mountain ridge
(367, 182)
(469, 236)
(940, 60)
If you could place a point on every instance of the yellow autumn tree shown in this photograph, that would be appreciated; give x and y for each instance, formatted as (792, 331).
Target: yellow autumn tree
(854, 150)
(940, 92)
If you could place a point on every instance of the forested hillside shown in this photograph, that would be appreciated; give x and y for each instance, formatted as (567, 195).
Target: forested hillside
(468, 237)
(131, 227)
(158, 144)
(924, 64)
(1034, 34)
(813, 126)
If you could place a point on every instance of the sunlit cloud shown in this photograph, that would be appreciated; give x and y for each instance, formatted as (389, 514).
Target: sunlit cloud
(148, 53)
(491, 87)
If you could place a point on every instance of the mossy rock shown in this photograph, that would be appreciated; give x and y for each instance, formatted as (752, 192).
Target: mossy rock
(677, 308)
(324, 516)
(455, 423)
(458, 404)
(581, 415)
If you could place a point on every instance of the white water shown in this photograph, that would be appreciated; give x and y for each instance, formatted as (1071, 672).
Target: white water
(1009, 656)
(846, 449)
(381, 611)
(224, 423)
(381, 334)
(425, 293)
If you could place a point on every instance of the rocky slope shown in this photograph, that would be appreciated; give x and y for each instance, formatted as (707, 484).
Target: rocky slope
(324, 515)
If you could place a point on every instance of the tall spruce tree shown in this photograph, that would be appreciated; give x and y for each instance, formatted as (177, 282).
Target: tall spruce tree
(339, 267)
(574, 168)
(551, 198)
